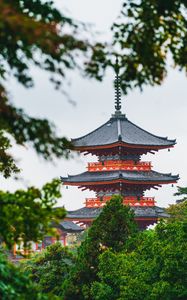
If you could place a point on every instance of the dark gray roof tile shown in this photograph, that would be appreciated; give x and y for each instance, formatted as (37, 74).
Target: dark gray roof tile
(140, 212)
(126, 175)
(69, 226)
(120, 128)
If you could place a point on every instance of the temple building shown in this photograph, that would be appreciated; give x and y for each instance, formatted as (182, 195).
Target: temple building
(67, 235)
(119, 144)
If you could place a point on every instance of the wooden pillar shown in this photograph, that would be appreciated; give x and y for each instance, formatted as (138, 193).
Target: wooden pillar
(65, 240)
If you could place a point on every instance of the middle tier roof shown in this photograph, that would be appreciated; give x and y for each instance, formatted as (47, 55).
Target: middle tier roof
(134, 177)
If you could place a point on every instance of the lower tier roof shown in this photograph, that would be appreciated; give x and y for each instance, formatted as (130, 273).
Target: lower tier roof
(140, 212)
(129, 176)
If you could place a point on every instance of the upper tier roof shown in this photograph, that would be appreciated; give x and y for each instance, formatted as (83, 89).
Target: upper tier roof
(119, 129)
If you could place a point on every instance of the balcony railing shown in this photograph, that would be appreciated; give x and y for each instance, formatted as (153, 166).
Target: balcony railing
(119, 165)
(132, 201)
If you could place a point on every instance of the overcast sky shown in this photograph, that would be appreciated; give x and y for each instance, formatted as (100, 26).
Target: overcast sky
(160, 110)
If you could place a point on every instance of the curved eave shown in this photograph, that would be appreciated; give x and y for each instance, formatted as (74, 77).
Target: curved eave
(114, 181)
(119, 130)
(141, 213)
(68, 226)
(91, 218)
(125, 145)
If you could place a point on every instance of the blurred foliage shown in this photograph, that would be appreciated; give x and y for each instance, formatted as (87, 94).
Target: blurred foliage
(7, 163)
(34, 32)
(155, 269)
(38, 133)
(111, 230)
(147, 35)
(26, 215)
(49, 268)
(16, 285)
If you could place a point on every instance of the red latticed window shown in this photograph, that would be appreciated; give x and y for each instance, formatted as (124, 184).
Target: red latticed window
(127, 165)
(132, 201)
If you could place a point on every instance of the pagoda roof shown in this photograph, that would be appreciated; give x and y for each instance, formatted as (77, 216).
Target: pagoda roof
(69, 226)
(140, 212)
(119, 129)
(130, 176)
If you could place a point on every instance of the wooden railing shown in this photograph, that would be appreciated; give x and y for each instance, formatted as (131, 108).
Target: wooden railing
(132, 201)
(112, 165)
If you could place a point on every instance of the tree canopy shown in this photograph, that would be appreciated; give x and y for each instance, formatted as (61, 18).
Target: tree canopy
(34, 33)
(146, 36)
(111, 262)
(27, 215)
(14, 284)
(155, 269)
(178, 211)
(37, 32)
(111, 230)
(50, 268)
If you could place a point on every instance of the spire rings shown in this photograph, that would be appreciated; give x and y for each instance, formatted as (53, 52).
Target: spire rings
(117, 84)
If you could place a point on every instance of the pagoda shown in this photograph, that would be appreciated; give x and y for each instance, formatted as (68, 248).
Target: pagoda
(119, 170)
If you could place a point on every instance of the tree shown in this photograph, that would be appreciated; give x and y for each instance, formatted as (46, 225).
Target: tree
(182, 191)
(50, 268)
(155, 269)
(26, 215)
(178, 211)
(16, 285)
(146, 33)
(34, 32)
(111, 230)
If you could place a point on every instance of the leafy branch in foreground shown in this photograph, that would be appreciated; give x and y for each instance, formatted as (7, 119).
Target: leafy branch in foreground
(7, 163)
(34, 33)
(38, 133)
(15, 284)
(26, 215)
(145, 35)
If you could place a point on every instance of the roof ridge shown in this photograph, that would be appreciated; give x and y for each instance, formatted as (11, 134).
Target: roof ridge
(119, 130)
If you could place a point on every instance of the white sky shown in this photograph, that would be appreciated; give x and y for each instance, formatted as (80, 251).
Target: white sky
(160, 110)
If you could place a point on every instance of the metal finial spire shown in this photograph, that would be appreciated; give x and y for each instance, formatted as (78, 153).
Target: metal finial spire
(117, 88)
